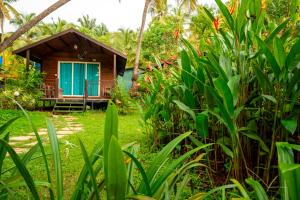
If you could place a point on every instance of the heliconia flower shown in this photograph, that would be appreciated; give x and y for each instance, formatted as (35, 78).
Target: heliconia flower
(232, 9)
(174, 57)
(199, 52)
(149, 68)
(176, 34)
(217, 24)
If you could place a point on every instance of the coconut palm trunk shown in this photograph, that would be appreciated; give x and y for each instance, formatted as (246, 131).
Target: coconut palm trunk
(138, 49)
(23, 29)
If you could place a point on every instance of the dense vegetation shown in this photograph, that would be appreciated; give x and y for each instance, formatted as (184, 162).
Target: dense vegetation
(219, 102)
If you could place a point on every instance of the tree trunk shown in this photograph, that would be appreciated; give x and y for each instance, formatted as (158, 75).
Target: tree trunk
(138, 49)
(23, 29)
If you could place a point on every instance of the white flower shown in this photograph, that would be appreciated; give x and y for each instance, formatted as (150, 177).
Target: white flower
(16, 93)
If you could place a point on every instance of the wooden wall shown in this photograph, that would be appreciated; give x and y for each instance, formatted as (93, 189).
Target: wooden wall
(50, 66)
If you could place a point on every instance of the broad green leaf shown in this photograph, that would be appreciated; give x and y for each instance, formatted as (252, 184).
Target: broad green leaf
(3, 152)
(290, 124)
(234, 85)
(279, 52)
(270, 57)
(22, 169)
(226, 95)
(202, 124)
(186, 69)
(263, 80)
(293, 57)
(110, 129)
(262, 144)
(57, 160)
(90, 170)
(185, 108)
(259, 190)
(276, 31)
(226, 150)
(116, 182)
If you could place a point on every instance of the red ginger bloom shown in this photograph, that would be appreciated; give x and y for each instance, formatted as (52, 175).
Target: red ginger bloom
(217, 24)
(176, 34)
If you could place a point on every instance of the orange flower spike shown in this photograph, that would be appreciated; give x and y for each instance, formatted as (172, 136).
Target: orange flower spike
(176, 34)
(149, 68)
(217, 24)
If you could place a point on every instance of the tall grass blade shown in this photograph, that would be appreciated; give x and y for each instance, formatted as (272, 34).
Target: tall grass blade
(3, 152)
(259, 190)
(116, 182)
(90, 170)
(22, 169)
(57, 160)
(7, 124)
(241, 189)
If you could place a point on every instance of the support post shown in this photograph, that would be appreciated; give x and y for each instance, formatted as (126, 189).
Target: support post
(115, 66)
(57, 91)
(27, 62)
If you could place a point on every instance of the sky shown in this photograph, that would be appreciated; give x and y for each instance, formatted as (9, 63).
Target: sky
(126, 14)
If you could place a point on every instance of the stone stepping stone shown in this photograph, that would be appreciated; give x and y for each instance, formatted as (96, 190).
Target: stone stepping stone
(40, 133)
(66, 132)
(22, 138)
(20, 150)
(71, 129)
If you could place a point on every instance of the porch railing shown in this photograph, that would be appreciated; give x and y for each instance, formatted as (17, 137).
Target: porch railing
(92, 89)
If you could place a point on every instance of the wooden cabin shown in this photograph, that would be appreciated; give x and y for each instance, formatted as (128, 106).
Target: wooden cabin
(76, 66)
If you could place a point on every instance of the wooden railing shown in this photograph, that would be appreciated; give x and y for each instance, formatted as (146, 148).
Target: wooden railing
(101, 88)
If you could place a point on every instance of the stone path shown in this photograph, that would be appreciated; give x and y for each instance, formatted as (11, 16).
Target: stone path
(23, 143)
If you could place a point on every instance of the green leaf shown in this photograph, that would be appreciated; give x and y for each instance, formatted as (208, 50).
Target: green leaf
(271, 59)
(22, 169)
(90, 169)
(185, 108)
(234, 85)
(269, 97)
(226, 95)
(202, 124)
(159, 160)
(290, 124)
(226, 150)
(259, 190)
(262, 144)
(142, 171)
(57, 160)
(186, 69)
(7, 124)
(110, 129)
(116, 182)
(263, 80)
(241, 189)
(276, 31)
(226, 14)
(3, 152)
(293, 58)
(279, 52)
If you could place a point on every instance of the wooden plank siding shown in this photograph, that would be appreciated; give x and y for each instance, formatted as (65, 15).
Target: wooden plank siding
(50, 67)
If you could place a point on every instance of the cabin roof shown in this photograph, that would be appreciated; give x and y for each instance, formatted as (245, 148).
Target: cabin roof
(67, 40)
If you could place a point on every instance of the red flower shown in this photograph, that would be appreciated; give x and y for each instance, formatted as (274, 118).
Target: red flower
(217, 24)
(174, 57)
(176, 34)
(232, 9)
(149, 68)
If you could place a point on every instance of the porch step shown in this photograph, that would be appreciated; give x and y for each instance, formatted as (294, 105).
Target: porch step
(68, 107)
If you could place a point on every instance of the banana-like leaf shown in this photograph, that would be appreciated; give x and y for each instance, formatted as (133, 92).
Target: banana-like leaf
(185, 108)
(225, 92)
(116, 182)
(290, 124)
(234, 85)
(263, 81)
(90, 170)
(57, 160)
(279, 52)
(259, 190)
(22, 169)
(270, 57)
(276, 31)
(293, 57)
(202, 124)
(186, 69)
(289, 172)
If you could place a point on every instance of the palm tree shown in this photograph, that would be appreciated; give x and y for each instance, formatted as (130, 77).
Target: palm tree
(30, 24)
(21, 21)
(6, 12)
(54, 27)
(87, 22)
(100, 30)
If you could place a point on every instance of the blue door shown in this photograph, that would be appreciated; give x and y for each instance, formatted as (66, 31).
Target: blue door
(65, 82)
(93, 79)
(78, 78)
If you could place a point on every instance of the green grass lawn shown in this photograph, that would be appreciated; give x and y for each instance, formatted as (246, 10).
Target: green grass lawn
(92, 133)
